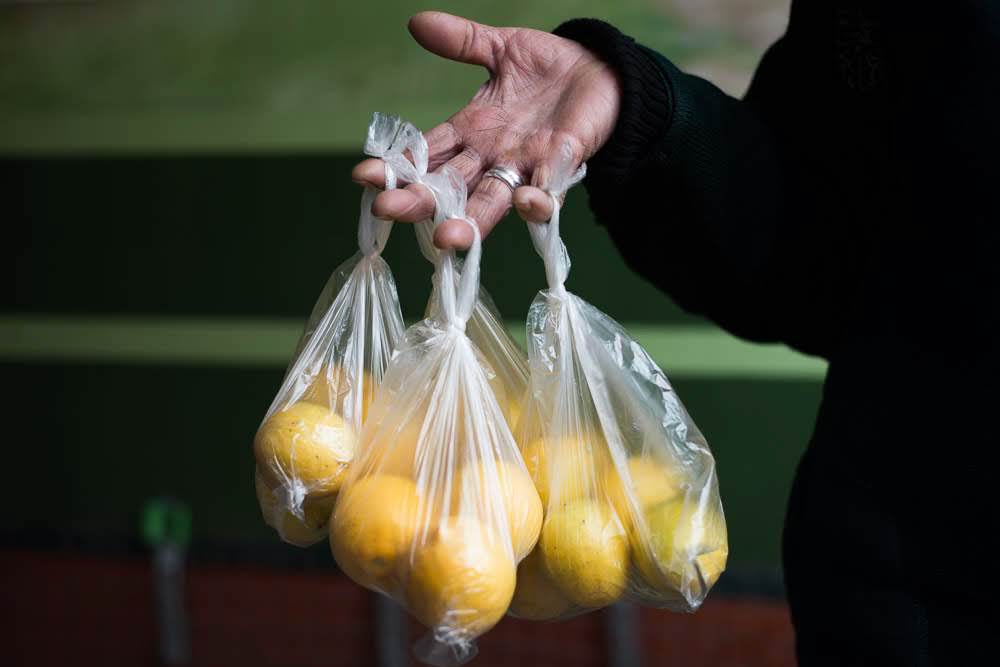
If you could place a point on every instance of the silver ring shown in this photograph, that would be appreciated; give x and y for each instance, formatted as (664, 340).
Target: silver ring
(510, 177)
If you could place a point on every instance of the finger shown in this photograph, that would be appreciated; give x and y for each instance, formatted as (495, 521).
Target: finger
(470, 164)
(487, 205)
(453, 235)
(533, 204)
(443, 143)
(415, 203)
(456, 38)
(369, 172)
(563, 154)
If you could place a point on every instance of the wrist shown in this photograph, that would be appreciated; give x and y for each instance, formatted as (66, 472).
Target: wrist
(605, 89)
(642, 96)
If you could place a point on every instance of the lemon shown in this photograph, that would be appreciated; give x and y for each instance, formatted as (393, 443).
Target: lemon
(301, 532)
(393, 450)
(585, 552)
(648, 481)
(567, 468)
(536, 598)
(373, 526)
(686, 550)
(332, 388)
(461, 583)
(306, 445)
(518, 499)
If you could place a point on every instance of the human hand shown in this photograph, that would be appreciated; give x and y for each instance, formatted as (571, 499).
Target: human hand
(545, 94)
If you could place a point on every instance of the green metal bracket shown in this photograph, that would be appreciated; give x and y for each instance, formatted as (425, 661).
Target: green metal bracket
(166, 521)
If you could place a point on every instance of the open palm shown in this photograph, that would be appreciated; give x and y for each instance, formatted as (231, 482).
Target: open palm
(544, 94)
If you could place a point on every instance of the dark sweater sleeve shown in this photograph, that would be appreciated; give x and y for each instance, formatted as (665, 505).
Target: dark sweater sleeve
(699, 197)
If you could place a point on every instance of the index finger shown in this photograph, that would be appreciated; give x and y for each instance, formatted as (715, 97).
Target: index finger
(369, 172)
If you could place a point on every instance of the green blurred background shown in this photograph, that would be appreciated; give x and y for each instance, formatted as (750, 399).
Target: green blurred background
(176, 176)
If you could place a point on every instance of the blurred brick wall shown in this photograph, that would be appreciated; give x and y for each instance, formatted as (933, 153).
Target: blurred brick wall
(67, 609)
(723, 633)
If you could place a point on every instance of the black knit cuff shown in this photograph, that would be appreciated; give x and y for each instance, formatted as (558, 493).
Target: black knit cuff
(646, 103)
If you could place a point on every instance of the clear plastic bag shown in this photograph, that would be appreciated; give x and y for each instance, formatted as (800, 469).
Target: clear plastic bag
(309, 435)
(438, 509)
(488, 332)
(627, 480)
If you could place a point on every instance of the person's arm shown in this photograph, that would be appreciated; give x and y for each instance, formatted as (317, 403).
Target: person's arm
(701, 197)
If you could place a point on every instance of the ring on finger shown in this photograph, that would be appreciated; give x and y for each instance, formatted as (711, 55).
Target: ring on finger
(509, 176)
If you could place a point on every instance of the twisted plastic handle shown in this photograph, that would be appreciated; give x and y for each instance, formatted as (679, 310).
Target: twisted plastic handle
(545, 236)
(388, 138)
(448, 188)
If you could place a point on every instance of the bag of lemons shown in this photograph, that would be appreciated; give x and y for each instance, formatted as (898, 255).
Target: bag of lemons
(309, 435)
(438, 508)
(627, 480)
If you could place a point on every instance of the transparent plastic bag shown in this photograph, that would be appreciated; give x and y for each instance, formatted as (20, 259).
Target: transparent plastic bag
(438, 508)
(488, 332)
(627, 480)
(309, 435)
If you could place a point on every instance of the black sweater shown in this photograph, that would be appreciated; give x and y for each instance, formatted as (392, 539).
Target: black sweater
(848, 206)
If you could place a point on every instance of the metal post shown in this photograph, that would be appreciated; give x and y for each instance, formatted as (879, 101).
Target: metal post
(621, 631)
(391, 634)
(166, 527)
(168, 574)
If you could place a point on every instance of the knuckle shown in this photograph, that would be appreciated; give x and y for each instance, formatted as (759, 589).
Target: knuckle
(483, 200)
(467, 162)
(471, 154)
(468, 40)
(493, 198)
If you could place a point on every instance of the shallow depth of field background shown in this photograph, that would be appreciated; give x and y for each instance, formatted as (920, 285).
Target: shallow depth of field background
(175, 186)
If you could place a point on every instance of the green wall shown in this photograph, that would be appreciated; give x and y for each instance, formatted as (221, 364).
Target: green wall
(273, 75)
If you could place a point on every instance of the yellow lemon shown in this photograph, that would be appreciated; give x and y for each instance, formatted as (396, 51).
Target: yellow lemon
(373, 526)
(301, 532)
(332, 388)
(517, 495)
(686, 550)
(585, 552)
(461, 583)
(566, 469)
(393, 450)
(536, 598)
(649, 482)
(305, 444)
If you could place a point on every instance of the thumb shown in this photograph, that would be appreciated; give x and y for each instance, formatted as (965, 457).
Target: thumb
(456, 38)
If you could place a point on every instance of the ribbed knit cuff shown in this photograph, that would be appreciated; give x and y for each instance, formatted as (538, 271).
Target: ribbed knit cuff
(646, 104)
